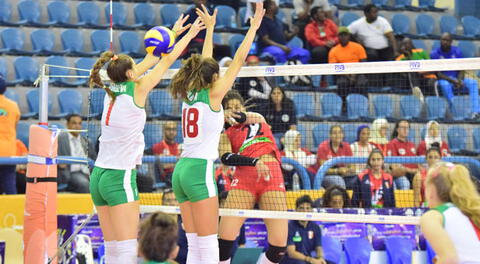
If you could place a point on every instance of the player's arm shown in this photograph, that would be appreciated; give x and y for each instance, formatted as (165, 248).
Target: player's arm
(431, 224)
(224, 84)
(209, 20)
(254, 118)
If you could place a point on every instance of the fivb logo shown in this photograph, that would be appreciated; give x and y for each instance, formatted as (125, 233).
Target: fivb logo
(339, 67)
(415, 65)
(269, 70)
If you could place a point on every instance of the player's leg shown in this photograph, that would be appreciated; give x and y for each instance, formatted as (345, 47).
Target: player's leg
(277, 228)
(193, 254)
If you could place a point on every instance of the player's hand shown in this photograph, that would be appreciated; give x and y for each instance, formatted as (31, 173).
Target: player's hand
(197, 26)
(263, 171)
(256, 20)
(208, 19)
(230, 117)
(178, 28)
(285, 48)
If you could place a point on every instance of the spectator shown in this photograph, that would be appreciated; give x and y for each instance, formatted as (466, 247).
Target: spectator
(71, 143)
(400, 146)
(375, 34)
(274, 37)
(321, 33)
(420, 82)
(341, 174)
(432, 156)
(455, 79)
(374, 187)
(167, 147)
(347, 52)
(168, 199)
(304, 237)
(433, 138)
(9, 117)
(362, 148)
(225, 62)
(302, 13)
(378, 135)
(21, 169)
(251, 8)
(293, 150)
(336, 197)
(280, 112)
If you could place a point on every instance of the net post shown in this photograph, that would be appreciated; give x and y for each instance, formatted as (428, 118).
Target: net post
(43, 98)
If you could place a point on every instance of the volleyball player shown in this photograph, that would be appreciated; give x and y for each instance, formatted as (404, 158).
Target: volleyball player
(201, 88)
(258, 177)
(452, 225)
(113, 181)
(432, 156)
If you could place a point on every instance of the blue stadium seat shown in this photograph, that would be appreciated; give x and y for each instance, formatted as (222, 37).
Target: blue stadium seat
(382, 105)
(169, 14)
(468, 48)
(382, 4)
(410, 107)
(471, 26)
(457, 136)
(144, 16)
(226, 19)
(130, 44)
(331, 106)
(88, 14)
(26, 70)
(4, 72)
(93, 131)
(83, 64)
(476, 139)
(152, 134)
(13, 40)
(43, 42)
(303, 131)
(357, 250)
(23, 131)
(33, 103)
(6, 15)
(405, 5)
(60, 81)
(401, 25)
(419, 44)
(234, 42)
(357, 107)
(97, 97)
(70, 102)
(320, 133)
(332, 249)
(59, 14)
(425, 26)
(119, 15)
(436, 107)
(29, 13)
(303, 105)
(461, 109)
(448, 24)
(12, 95)
(100, 40)
(412, 135)
(356, 4)
(242, 13)
(286, 3)
(295, 42)
(348, 18)
(429, 5)
(435, 44)
(399, 250)
(217, 39)
(281, 16)
(73, 43)
(423, 132)
(161, 103)
(350, 133)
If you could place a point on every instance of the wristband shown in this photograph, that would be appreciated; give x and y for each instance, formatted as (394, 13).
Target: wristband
(232, 159)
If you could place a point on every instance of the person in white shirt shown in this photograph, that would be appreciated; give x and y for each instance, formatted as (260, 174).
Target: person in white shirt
(361, 147)
(376, 34)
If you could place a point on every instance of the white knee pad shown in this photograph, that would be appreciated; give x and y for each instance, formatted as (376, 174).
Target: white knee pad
(208, 246)
(127, 251)
(193, 255)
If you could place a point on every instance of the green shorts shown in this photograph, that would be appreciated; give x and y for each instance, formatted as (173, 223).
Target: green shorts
(194, 180)
(113, 187)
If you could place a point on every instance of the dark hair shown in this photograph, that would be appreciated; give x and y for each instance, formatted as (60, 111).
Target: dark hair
(314, 11)
(267, 4)
(368, 8)
(165, 192)
(232, 95)
(333, 127)
(286, 102)
(334, 191)
(397, 124)
(374, 151)
(70, 116)
(157, 237)
(195, 74)
(116, 70)
(433, 149)
(3, 85)
(304, 199)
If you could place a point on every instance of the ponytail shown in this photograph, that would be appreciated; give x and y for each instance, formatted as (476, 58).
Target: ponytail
(95, 78)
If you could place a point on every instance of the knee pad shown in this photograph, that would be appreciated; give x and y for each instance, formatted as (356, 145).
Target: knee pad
(274, 253)
(225, 248)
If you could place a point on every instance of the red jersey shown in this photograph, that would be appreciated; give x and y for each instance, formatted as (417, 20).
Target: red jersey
(253, 140)
(422, 149)
(164, 149)
(326, 152)
(397, 147)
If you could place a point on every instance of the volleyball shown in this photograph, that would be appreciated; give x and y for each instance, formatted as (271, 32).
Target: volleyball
(159, 41)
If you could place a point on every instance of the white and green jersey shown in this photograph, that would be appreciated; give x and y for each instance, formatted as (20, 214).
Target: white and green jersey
(121, 142)
(462, 232)
(201, 127)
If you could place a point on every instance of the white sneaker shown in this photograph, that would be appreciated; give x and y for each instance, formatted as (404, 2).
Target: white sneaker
(418, 93)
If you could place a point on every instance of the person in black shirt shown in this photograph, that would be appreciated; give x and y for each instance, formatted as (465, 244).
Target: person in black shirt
(280, 112)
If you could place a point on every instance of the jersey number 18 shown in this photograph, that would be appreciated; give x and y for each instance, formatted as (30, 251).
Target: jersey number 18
(190, 122)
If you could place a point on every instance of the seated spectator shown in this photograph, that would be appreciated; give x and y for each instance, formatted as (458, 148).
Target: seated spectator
(274, 37)
(347, 52)
(157, 239)
(400, 146)
(304, 243)
(374, 187)
(361, 147)
(21, 169)
(378, 134)
(420, 82)
(293, 149)
(71, 143)
(341, 174)
(433, 139)
(251, 8)
(375, 33)
(302, 13)
(336, 197)
(167, 147)
(168, 199)
(432, 156)
(280, 112)
(321, 34)
(449, 80)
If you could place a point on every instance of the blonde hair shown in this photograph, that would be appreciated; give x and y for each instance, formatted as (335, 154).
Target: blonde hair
(196, 73)
(453, 184)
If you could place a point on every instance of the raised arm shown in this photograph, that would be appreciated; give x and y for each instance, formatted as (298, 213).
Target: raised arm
(209, 21)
